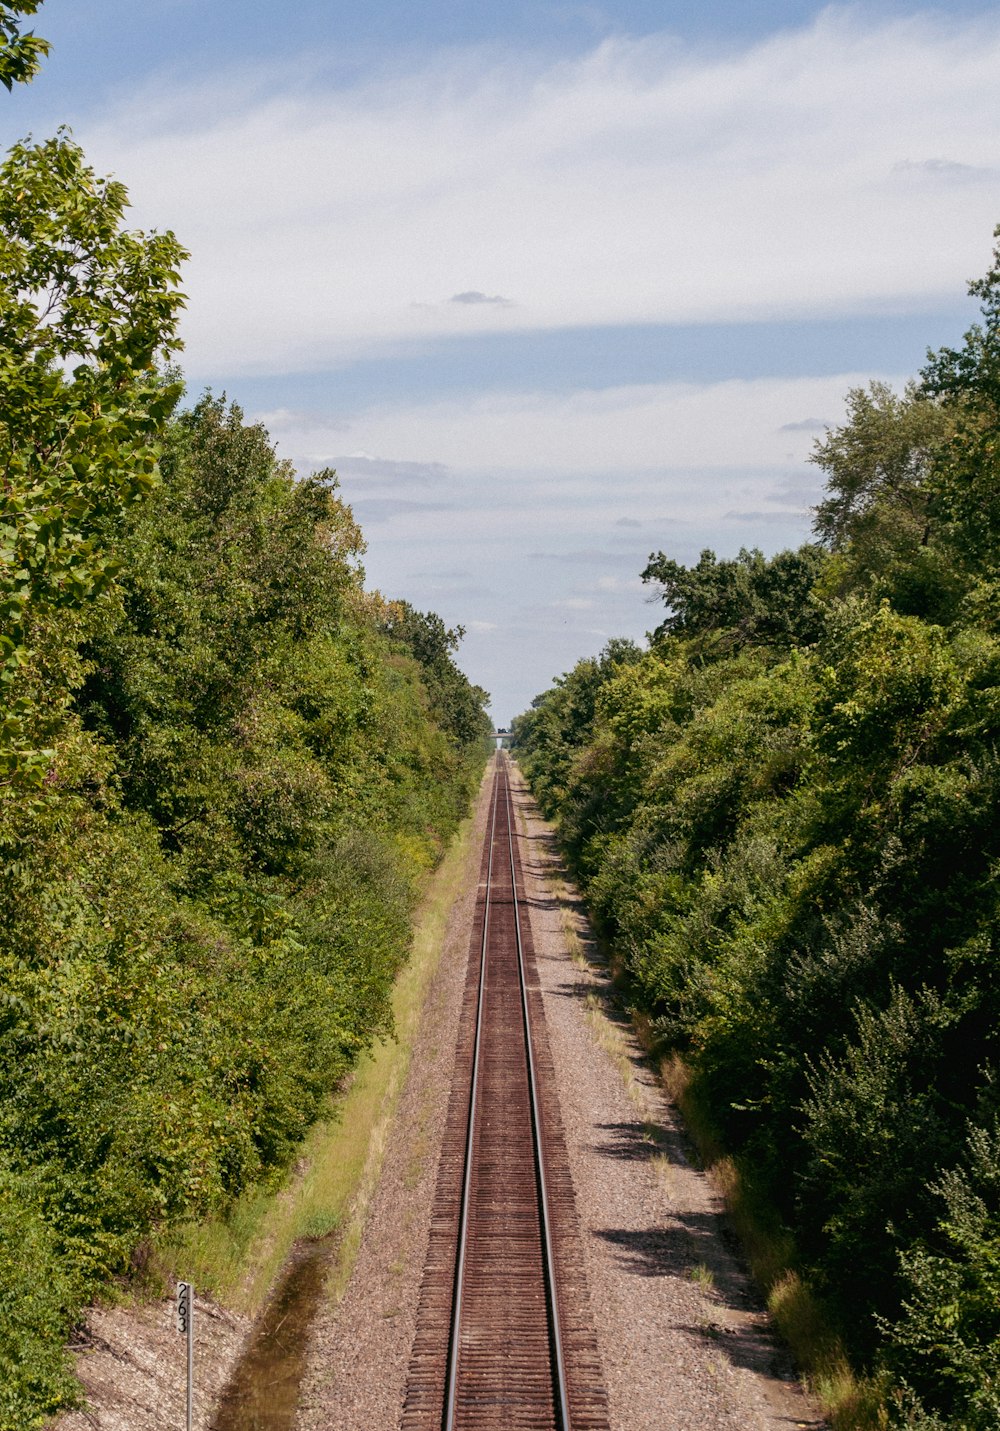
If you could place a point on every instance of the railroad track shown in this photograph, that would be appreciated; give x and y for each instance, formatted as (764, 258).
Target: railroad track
(504, 1337)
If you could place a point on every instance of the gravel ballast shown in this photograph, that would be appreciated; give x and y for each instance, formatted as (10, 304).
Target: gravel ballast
(682, 1337)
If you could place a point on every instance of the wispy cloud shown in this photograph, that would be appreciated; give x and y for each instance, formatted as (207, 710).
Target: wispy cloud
(779, 517)
(768, 182)
(808, 424)
(472, 297)
(374, 510)
(362, 464)
(645, 426)
(945, 169)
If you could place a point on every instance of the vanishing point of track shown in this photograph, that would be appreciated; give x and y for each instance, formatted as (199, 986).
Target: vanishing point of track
(504, 1336)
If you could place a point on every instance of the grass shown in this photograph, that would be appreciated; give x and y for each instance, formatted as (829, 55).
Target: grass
(569, 920)
(237, 1259)
(703, 1276)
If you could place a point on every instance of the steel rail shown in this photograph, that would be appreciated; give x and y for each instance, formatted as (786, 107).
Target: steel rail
(453, 1341)
(562, 1395)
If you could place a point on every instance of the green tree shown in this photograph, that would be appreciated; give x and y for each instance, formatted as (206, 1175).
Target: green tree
(456, 704)
(795, 856)
(21, 54)
(967, 476)
(87, 310)
(946, 1345)
(876, 466)
(747, 600)
(878, 515)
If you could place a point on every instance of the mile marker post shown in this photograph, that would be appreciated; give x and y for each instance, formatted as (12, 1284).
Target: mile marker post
(185, 1325)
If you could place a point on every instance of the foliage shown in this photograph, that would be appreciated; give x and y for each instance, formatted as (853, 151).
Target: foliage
(967, 379)
(457, 707)
(34, 1372)
(20, 52)
(877, 465)
(880, 515)
(947, 1342)
(749, 600)
(203, 910)
(85, 310)
(784, 818)
(202, 913)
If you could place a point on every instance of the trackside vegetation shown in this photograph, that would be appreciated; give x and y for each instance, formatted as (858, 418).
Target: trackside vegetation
(784, 815)
(225, 770)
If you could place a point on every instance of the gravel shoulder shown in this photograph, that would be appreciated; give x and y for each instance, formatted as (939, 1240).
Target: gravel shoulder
(133, 1366)
(683, 1338)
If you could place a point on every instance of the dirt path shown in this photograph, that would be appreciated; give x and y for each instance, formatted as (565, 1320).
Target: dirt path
(683, 1339)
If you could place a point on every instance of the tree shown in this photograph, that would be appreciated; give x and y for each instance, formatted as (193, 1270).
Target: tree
(879, 516)
(876, 468)
(87, 310)
(966, 486)
(20, 54)
(749, 599)
(456, 704)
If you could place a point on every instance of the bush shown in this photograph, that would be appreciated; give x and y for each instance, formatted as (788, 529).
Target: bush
(35, 1314)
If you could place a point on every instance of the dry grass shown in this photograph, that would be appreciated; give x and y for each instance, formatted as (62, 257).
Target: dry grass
(851, 1402)
(570, 922)
(237, 1259)
(616, 1044)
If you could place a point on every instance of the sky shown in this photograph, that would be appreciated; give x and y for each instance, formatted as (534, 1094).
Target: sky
(552, 286)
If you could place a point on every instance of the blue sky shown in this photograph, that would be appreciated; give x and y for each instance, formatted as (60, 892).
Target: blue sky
(552, 285)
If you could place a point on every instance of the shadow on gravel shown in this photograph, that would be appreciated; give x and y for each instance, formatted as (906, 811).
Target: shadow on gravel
(688, 1242)
(629, 1142)
(651, 1252)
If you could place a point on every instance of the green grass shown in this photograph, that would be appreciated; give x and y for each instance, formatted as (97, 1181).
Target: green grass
(237, 1259)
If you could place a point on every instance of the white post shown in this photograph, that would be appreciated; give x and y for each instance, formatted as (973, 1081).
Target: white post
(185, 1325)
(190, 1405)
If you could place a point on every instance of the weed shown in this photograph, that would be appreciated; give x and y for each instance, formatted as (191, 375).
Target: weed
(703, 1276)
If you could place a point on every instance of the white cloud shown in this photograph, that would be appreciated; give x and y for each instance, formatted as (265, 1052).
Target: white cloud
(814, 172)
(808, 424)
(474, 297)
(619, 584)
(739, 423)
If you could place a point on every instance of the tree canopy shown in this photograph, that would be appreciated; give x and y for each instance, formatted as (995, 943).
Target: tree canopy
(87, 310)
(732, 603)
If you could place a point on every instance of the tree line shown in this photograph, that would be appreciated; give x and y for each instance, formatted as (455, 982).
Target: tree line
(784, 816)
(225, 770)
